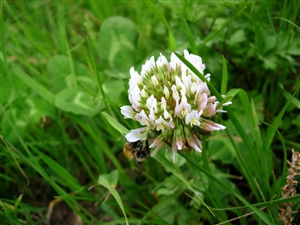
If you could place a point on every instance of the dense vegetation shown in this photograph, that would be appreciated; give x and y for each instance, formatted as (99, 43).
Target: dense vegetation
(64, 76)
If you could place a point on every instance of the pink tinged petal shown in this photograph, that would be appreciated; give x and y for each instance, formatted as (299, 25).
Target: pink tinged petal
(203, 101)
(195, 143)
(158, 144)
(128, 112)
(174, 152)
(210, 110)
(179, 144)
(149, 64)
(137, 134)
(161, 61)
(201, 89)
(212, 126)
(207, 76)
(211, 99)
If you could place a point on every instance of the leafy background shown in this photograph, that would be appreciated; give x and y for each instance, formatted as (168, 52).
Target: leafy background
(65, 69)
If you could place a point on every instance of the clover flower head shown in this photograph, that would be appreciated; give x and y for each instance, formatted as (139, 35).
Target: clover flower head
(171, 102)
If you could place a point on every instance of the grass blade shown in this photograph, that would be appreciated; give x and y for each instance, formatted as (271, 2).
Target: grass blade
(33, 84)
(160, 16)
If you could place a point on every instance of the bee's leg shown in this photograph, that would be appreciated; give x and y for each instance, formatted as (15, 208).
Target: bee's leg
(138, 165)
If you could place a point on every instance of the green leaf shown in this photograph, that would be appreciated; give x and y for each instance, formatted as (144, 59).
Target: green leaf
(37, 107)
(117, 43)
(110, 181)
(78, 102)
(237, 37)
(59, 68)
(113, 89)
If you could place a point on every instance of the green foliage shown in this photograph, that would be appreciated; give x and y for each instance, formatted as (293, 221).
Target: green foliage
(65, 70)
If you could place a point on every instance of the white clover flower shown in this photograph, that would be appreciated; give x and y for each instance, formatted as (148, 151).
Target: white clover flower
(170, 101)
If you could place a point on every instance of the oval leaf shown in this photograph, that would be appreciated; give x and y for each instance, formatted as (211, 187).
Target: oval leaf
(78, 102)
(118, 37)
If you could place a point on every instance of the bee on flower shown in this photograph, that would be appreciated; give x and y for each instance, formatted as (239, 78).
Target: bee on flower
(168, 99)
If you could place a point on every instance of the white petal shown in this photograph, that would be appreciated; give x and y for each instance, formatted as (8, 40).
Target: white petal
(166, 92)
(179, 84)
(195, 60)
(183, 108)
(175, 61)
(137, 134)
(154, 80)
(149, 64)
(161, 61)
(175, 93)
(193, 118)
(128, 112)
(135, 78)
(143, 119)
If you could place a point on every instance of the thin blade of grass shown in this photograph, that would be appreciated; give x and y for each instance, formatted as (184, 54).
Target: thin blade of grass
(59, 170)
(34, 163)
(190, 36)
(234, 120)
(222, 28)
(160, 16)
(166, 164)
(33, 84)
(288, 21)
(115, 124)
(224, 80)
(272, 129)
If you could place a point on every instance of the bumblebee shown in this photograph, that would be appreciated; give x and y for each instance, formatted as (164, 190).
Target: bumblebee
(138, 150)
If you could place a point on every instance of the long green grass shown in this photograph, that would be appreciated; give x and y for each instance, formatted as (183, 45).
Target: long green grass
(64, 76)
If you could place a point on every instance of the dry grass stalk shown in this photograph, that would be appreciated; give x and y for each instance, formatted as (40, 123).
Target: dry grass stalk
(290, 189)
